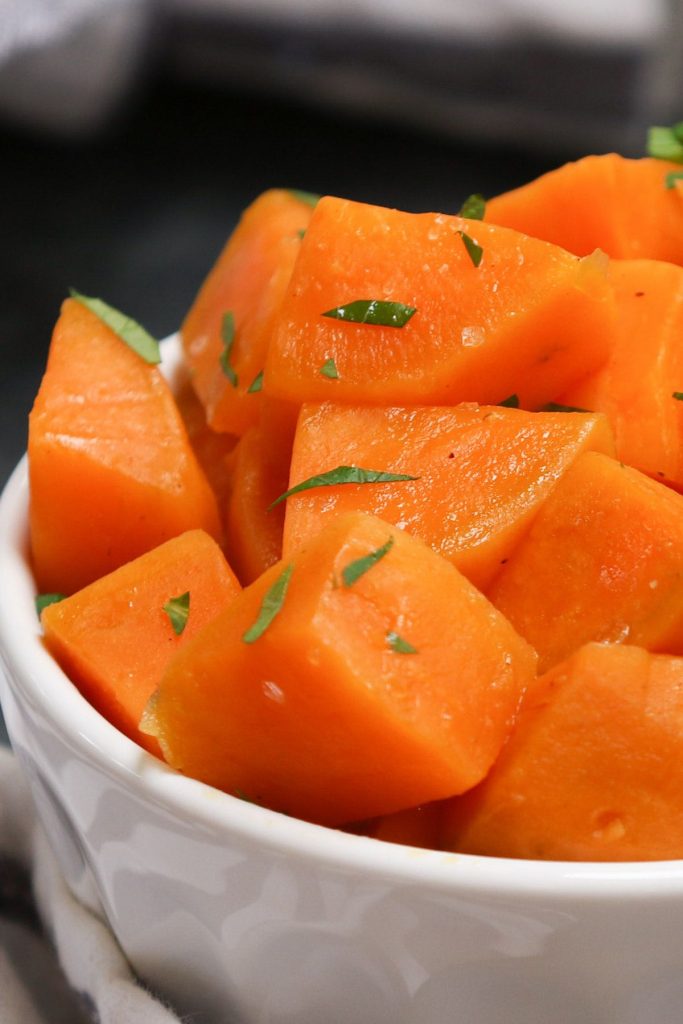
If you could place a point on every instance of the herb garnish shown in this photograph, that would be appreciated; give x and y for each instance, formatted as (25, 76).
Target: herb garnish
(399, 645)
(354, 570)
(474, 251)
(511, 402)
(272, 603)
(329, 369)
(678, 395)
(128, 330)
(558, 407)
(474, 207)
(256, 384)
(43, 600)
(672, 177)
(373, 311)
(666, 143)
(309, 198)
(342, 475)
(228, 338)
(178, 611)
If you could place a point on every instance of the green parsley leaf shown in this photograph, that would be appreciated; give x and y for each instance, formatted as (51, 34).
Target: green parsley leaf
(309, 198)
(43, 600)
(178, 611)
(301, 233)
(678, 395)
(558, 407)
(474, 251)
(354, 570)
(399, 645)
(373, 311)
(241, 795)
(129, 331)
(672, 177)
(228, 338)
(329, 369)
(474, 207)
(272, 603)
(256, 384)
(511, 402)
(666, 143)
(342, 475)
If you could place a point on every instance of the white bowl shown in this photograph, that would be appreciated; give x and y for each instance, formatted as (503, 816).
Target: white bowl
(236, 913)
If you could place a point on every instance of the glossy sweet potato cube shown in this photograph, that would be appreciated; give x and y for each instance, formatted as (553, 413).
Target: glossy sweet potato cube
(593, 770)
(361, 696)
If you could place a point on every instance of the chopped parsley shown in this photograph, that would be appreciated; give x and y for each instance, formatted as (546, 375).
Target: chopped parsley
(399, 645)
(511, 402)
(666, 143)
(178, 611)
(256, 384)
(228, 339)
(128, 330)
(473, 208)
(342, 475)
(354, 570)
(558, 407)
(272, 602)
(329, 369)
(678, 395)
(309, 198)
(474, 250)
(672, 177)
(44, 600)
(373, 311)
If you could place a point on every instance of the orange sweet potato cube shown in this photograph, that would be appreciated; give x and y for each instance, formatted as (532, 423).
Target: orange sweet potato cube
(114, 639)
(361, 696)
(593, 770)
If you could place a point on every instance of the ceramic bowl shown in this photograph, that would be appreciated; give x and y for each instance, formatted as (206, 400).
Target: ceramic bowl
(236, 913)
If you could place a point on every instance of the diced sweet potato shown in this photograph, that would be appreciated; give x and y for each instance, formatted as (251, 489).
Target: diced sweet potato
(593, 770)
(635, 388)
(114, 639)
(359, 698)
(248, 280)
(603, 202)
(603, 560)
(112, 472)
(482, 473)
(529, 318)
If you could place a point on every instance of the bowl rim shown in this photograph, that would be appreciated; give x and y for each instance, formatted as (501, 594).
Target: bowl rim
(39, 682)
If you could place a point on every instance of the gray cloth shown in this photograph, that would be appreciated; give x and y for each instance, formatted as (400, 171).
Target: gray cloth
(585, 75)
(77, 975)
